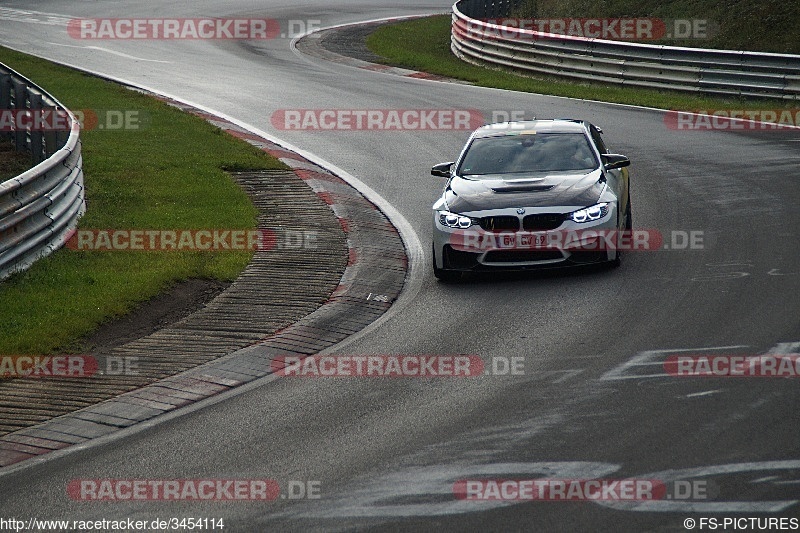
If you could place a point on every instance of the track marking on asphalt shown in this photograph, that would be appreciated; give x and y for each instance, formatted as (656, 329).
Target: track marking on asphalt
(33, 17)
(568, 374)
(114, 52)
(656, 358)
(737, 274)
(784, 348)
(400, 493)
(397, 494)
(665, 506)
(705, 393)
(720, 276)
(777, 272)
(765, 479)
(731, 263)
(653, 358)
(727, 276)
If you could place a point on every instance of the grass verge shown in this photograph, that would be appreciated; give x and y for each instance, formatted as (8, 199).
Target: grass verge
(424, 44)
(12, 163)
(760, 26)
(167, 175)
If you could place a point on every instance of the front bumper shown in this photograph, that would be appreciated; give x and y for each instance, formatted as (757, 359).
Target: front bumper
(475, 249)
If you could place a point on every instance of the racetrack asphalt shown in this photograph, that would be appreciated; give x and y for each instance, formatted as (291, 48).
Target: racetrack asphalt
(594, 399)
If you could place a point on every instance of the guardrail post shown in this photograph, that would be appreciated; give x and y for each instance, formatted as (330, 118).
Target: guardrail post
(50, 134)
(37, 151)
(5, 100)
(62, 134)
(20, 105)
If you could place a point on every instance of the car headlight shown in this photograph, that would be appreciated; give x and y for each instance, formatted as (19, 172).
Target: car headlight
(588, 214)
(453, 220)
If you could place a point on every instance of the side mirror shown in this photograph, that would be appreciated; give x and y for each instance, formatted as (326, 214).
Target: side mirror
(442, 170)
(613, 161)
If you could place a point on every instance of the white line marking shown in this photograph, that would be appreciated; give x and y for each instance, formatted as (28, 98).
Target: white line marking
(101, 49)
(784, 348)
(765, 479)
(666, 476)
(731, 263)
(648, 358)
(29, 17)
(428, 490)
(706, 393)
(568, 374)
(653, 358)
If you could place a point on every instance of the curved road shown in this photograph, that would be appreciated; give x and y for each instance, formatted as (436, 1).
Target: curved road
(593, 401)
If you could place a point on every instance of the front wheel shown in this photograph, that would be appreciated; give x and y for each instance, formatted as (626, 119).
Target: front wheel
(628, 227)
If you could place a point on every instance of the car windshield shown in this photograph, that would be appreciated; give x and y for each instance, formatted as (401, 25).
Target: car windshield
(528, 152)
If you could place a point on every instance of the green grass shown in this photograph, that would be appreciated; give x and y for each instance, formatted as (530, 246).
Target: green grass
(756, 25)
(424, 44)
(169, 175)
(12, 163)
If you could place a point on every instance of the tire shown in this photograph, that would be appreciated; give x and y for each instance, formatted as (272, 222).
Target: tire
(447, 276)
(628, 217)
(628, 227)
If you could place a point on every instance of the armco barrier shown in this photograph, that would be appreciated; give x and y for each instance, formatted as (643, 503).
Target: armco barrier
(39, 208)
(708, 71)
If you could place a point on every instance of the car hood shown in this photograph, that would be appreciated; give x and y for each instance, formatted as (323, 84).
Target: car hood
(540, 189)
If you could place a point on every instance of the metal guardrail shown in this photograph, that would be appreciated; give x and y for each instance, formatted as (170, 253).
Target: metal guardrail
(717, 72)
(39, 209)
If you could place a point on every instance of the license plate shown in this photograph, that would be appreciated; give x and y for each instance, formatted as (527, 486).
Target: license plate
(522, 241)
(532, 241)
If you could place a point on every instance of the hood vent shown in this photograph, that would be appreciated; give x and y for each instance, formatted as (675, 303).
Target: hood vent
(521, 187)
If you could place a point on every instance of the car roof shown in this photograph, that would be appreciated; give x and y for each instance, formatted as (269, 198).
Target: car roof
(531, 126)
